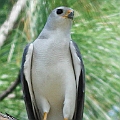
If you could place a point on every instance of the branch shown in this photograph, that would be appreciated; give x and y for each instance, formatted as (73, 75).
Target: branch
(10, 89)
(9, 23)
(6, 117)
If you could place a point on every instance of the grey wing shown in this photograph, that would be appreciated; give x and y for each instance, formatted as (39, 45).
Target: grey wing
(31, 110)
(80, 80)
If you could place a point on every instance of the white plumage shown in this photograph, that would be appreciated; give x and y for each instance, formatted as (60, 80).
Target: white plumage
(52, 69)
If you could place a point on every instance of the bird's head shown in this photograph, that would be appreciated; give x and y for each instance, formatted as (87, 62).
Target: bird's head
(60, 17)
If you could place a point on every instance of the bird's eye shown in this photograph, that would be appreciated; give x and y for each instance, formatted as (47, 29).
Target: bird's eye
(59, 11)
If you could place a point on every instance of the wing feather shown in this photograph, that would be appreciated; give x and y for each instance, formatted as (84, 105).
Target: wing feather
(28, 93)
(80, 79)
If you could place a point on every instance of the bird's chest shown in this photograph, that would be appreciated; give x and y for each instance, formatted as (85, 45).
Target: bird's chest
(50, 62)
(49, 53)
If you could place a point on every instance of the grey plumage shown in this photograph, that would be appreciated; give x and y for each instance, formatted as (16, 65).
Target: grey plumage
(53, 63)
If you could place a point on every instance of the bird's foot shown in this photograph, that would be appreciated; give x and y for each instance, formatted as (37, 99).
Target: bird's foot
(45, 116)
(65, 118)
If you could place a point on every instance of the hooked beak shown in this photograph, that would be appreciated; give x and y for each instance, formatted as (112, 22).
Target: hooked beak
(69, 14)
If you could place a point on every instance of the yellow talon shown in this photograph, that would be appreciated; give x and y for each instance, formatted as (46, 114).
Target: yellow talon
(45, 116)
(65, 118)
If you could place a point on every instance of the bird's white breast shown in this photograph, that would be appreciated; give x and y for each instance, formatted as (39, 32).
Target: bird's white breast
(52, 72)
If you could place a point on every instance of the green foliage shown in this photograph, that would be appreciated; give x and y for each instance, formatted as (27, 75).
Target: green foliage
(5, 6)
(95, 30)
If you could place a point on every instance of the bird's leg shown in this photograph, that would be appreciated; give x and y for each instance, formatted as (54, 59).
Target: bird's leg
(65, 118)
(69, 102)
(45, 116)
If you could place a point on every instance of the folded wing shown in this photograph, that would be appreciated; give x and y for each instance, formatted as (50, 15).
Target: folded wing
(78, 67)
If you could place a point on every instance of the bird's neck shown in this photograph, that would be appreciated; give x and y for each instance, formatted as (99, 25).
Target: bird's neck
(58, 32)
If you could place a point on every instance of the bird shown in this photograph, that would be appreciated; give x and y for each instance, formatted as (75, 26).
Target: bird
(52, 71)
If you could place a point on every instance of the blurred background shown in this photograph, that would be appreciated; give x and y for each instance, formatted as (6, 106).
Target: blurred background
(96, 30)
